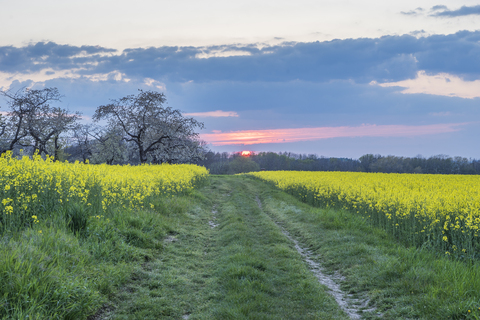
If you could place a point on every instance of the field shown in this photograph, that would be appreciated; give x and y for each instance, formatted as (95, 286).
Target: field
(98, 242)
(72, 232)
(441, 212)
(38, 190)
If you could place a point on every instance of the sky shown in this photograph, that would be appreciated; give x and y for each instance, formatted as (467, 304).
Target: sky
(333, 78)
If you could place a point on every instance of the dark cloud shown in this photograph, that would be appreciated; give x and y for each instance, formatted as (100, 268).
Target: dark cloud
(443, 11)
(41, 55)
(360, 59)
(389, 58)
(456, 54)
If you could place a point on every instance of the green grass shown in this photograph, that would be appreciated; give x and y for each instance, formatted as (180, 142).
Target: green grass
(403, 283)
(243, 268)
(169, 263)
(65, 272)
(262, 276)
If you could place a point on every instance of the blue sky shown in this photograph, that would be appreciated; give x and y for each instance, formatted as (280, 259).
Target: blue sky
(334, 78)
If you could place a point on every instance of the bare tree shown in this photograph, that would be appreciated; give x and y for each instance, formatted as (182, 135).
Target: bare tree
(180, 151)
(3, 128)
(147, 123)
(21, 104)
(109, 146)
(32, 121)
(48, 123)
(82, 142)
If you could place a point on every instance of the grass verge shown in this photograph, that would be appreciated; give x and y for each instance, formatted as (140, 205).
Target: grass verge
(403, 283)
(63, 271)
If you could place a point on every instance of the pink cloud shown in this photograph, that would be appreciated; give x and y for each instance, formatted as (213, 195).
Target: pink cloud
(247, 137)
(215, 114)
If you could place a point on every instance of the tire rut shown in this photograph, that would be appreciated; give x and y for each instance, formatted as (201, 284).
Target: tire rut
(348, 303)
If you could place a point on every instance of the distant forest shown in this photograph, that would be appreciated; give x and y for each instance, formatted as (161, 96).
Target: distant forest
(226, 163)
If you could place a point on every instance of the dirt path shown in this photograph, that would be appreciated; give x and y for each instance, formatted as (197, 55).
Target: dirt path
(229, 258)
(352, 306)
(262, 274)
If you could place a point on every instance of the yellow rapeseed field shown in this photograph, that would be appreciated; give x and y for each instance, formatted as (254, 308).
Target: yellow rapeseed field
(32, 189)
(440, 211)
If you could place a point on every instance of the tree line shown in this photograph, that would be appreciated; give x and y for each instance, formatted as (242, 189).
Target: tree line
(134, 129)
(225, 163)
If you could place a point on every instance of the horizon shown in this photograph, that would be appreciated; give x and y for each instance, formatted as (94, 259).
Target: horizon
(286, 153)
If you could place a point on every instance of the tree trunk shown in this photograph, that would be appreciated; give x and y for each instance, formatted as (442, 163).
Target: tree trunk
(55, 155)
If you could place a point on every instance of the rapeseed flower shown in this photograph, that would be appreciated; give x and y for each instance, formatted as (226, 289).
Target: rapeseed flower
(441, 210)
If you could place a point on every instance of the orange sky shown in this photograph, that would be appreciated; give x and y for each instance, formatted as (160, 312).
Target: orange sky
(248, 137)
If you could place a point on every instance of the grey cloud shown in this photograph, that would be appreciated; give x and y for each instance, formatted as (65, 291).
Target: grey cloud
(361, 59)
(443, 11)
(389, 58)
(42, 55)
(439, 7)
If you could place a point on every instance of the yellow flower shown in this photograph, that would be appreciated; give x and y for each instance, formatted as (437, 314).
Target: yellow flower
(436, 204)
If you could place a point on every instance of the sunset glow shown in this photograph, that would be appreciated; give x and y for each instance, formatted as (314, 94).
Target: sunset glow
(246, 153)
(248, 137)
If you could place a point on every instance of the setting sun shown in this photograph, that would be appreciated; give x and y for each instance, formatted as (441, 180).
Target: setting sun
(246, 153)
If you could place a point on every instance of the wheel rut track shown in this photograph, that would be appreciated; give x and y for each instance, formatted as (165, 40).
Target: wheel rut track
(350, 305)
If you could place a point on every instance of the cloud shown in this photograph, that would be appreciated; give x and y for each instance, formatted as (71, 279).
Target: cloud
(418, 33)
(248, 137)
(384, 59)
(443, 11)
(221, 53)
(42, 55)
(292, 77)
(415, 12)
(439, 7)
(409, 13)
(214, 114)
(442, 84)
